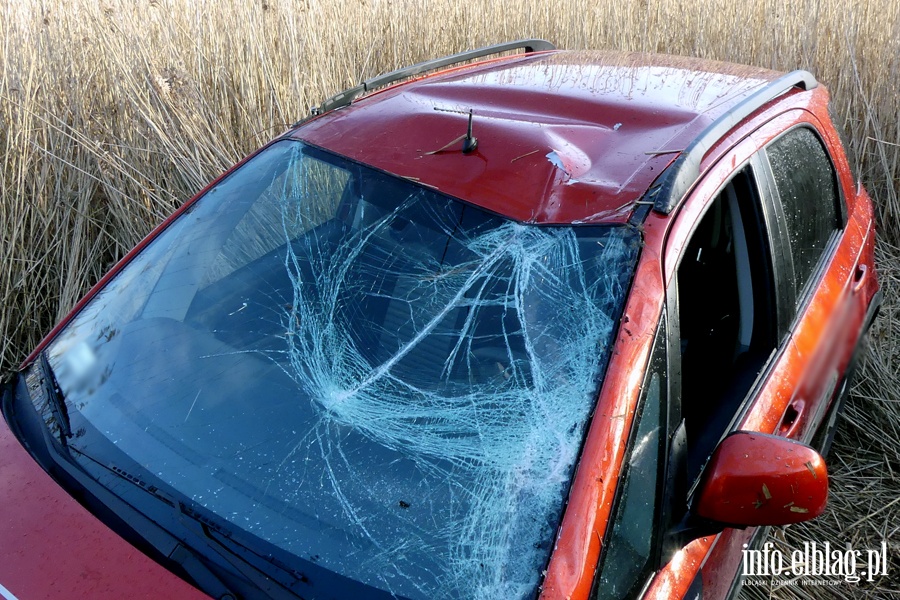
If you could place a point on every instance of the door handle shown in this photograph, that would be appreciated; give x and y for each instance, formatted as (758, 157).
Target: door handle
(791, 418)
(859, 277)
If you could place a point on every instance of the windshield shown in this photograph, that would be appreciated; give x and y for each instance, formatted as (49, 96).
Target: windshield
(358, 370)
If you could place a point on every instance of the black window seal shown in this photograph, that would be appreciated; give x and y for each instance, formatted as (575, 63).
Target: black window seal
(661, 343)
(775, 225)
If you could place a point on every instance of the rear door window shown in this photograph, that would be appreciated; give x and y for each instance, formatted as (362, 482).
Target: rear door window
(806, 184)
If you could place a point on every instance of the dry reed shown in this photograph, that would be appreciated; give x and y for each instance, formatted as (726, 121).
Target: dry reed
(114, 112)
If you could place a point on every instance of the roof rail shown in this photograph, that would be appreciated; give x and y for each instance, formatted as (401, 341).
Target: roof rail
(347, 96)
(681, 175)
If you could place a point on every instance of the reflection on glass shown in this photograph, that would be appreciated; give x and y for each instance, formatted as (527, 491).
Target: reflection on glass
(363, 372)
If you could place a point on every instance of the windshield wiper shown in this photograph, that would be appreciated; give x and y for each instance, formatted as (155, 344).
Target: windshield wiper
(199, 529)
(56, 400)
(193, 561)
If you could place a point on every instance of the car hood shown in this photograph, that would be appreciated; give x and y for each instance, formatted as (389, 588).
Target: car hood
(52, 547)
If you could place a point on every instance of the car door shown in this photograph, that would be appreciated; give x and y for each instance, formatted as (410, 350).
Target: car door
(820, 273)
(825, 271)
(721, 266)
(765, 307)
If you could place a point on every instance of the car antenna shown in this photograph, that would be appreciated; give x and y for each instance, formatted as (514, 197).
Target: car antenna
(470, 142)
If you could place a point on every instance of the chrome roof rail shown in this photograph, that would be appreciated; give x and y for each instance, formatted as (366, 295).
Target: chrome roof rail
(349, 95)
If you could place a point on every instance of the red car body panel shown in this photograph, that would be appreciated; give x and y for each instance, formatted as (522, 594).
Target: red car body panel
(554, 147)
(54, 548)
(588, 147)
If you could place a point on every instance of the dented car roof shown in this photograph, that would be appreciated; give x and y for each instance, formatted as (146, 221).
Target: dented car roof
(587, 131)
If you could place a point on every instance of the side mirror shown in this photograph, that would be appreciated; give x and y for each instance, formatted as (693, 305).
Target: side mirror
(758, 479)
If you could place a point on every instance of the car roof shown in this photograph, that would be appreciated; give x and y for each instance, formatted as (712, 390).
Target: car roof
(563, 136)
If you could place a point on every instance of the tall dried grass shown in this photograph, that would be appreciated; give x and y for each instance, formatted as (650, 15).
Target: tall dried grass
(113, 112)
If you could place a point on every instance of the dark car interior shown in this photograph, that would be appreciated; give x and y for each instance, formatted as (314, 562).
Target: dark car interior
(726, 302)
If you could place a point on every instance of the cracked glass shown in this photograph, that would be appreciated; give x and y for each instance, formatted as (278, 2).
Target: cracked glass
(357, 370)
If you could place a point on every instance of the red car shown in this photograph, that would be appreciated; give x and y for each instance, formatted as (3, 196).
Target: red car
(556, 324)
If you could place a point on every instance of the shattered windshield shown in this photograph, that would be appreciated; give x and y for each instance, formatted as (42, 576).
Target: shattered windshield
(358, 370)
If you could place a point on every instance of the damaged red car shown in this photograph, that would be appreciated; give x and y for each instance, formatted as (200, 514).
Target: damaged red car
(556, 324)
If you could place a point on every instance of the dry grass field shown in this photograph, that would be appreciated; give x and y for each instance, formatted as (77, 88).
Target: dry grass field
(112, 112)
